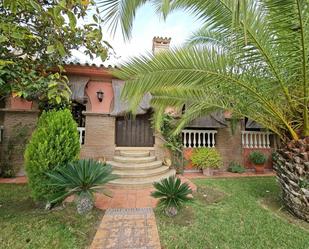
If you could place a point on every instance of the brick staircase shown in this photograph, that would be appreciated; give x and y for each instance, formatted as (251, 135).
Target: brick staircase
(137, 169)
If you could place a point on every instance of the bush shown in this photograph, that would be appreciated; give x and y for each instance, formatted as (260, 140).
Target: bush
(235, 167)
(172, 194)
(81, 178)
(54, 143)
(257, 157)
(206, 158)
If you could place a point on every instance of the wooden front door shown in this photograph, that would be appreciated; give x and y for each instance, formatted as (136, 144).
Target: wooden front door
(134, 132)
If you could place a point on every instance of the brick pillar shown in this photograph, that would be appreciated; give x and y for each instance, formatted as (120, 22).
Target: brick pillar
(18, 127)
(99, 136)
(229, 145)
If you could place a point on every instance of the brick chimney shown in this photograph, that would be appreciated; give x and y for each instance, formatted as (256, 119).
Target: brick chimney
(160, 44)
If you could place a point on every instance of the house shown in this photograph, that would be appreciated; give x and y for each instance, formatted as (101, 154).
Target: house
(107, 132)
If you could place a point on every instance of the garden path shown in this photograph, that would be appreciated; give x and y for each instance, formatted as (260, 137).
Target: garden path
(127, 228)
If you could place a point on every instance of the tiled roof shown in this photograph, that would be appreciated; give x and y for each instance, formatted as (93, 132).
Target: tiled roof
(87, 64)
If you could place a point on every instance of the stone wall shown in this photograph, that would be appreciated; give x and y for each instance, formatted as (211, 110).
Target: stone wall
(18, 127)
(99, 136)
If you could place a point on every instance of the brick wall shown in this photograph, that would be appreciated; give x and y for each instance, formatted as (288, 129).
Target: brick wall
(228, 145)
(99, 136)
(266, 151)
(14, 120)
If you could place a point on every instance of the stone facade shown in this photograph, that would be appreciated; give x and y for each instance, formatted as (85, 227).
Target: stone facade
(18, 127)
(99, 136)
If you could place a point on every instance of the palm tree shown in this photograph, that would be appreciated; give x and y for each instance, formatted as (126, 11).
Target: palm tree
(250, 57)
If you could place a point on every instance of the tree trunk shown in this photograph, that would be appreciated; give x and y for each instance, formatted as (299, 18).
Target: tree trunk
(292, 167)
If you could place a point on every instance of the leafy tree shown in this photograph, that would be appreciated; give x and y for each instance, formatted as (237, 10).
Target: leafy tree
(36, 36)
(251, 57)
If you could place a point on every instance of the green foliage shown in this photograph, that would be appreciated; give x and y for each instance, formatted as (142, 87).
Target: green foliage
(53, 144)
(36, 36)
(235, 167)
(206, 158)
(171, 193)
(82, 177)
(244, 53)
(257, 157)
(172, 141)
(13, 148)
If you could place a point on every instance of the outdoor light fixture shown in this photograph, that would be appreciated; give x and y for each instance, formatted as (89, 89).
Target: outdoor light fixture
(100, 95)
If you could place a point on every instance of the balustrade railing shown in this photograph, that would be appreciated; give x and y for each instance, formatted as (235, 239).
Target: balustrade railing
(81, 132)
(198, 138)
(255, 139)
(1, 133)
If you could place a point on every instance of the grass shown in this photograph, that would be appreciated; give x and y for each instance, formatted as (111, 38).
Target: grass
(234, 214)
(24, 225)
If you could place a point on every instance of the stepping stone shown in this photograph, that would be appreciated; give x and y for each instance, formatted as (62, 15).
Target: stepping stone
(127, 228)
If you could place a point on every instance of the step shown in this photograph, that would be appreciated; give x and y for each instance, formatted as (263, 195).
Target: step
(124, 159)
(135, 166)
(141, 173)
(135, 153)
(141, 183)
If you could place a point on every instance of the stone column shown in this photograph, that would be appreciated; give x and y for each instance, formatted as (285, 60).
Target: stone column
(99, 136)
(229, 144)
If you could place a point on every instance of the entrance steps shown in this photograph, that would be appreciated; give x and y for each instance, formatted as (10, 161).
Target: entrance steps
(138, 169)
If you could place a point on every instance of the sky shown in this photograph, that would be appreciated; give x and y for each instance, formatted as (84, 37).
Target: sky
(179, 25)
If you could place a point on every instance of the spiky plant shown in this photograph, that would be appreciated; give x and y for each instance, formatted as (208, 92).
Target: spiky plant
(251, 57)
(172, 194)
(82, 178)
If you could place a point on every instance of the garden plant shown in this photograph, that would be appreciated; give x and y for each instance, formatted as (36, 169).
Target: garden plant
(245, 53)
(172, 195)
(206, 158)
(81, 178)
(53, 144)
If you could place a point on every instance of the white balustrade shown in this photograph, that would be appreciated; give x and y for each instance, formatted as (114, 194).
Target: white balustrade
(81, 132)
(198, 138)
(1, 133)
(255, 139)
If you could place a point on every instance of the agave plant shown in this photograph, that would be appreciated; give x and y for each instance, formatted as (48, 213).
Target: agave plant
(250, 57)
(81, 178)
(172, 194)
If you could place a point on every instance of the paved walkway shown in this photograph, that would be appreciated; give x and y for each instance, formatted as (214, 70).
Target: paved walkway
(133, 228)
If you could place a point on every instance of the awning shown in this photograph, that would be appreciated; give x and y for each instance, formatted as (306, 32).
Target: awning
(214, 120)
(120, 107)
(77, 85)
(250, 124)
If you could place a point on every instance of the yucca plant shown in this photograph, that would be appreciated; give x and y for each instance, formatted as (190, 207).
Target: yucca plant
(172, 194)
(250, 57)
(81, 178)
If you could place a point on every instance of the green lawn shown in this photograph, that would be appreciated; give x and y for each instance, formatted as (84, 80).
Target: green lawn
(23, 225)
(234, 214)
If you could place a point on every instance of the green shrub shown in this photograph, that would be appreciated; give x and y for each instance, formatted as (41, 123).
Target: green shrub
(53, 144)
(206, 158)
(81, 178)
(257, 157)
(172, 194)
(235, 167)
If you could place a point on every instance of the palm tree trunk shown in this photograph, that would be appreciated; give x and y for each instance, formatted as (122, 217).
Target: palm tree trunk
(292, 167)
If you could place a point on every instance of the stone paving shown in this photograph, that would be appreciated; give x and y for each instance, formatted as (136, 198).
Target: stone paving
(130, 228)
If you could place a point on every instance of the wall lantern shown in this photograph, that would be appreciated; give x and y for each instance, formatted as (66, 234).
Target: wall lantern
(100, 95)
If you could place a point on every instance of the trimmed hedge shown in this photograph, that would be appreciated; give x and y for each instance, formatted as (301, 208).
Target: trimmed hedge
(54, 143)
